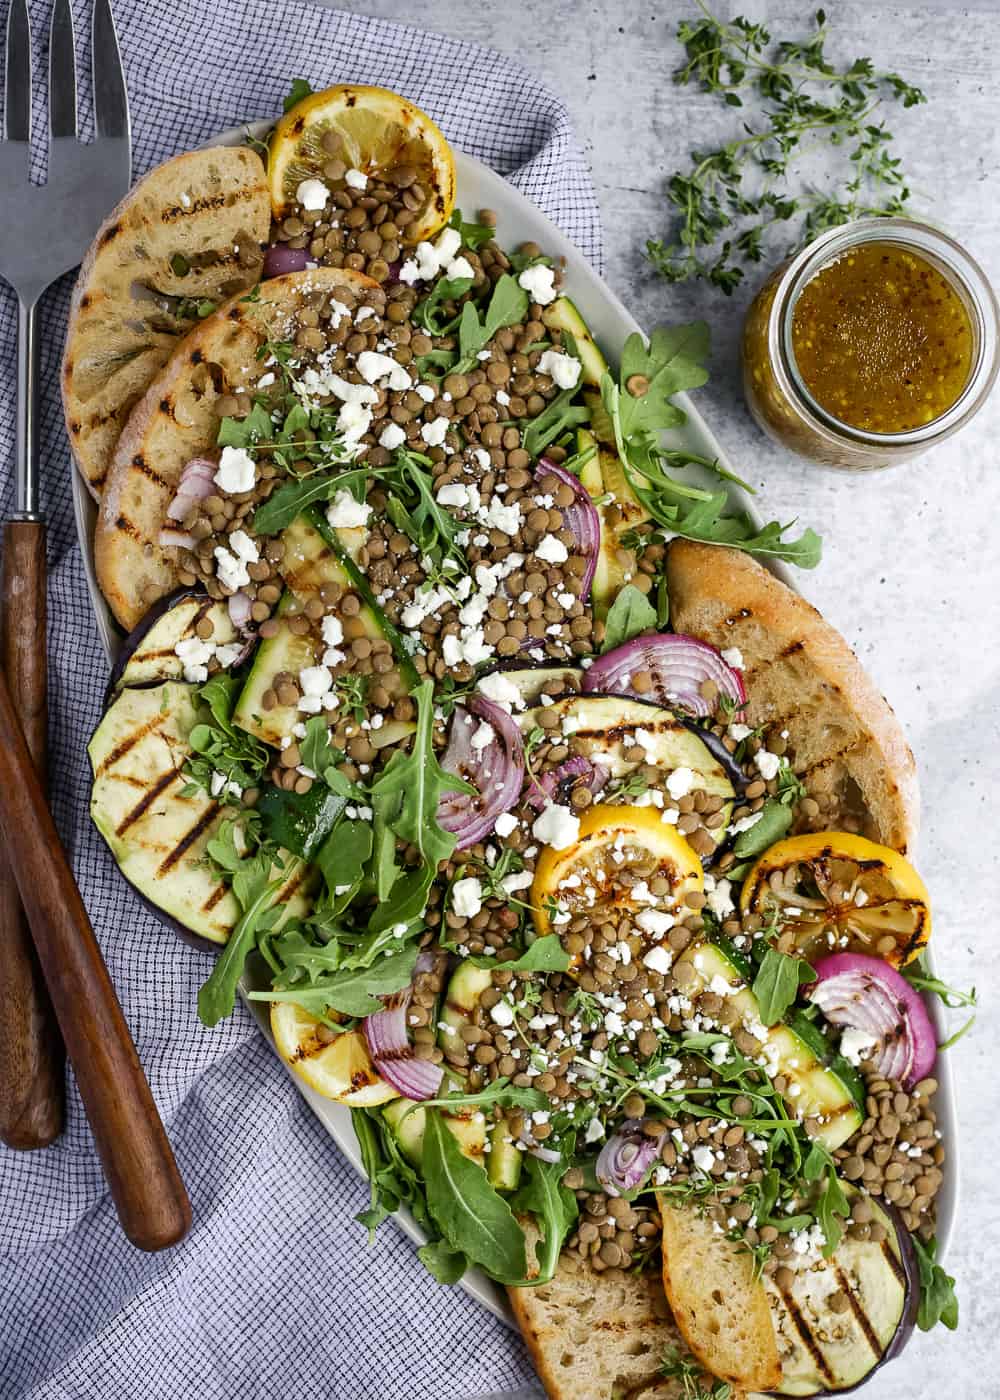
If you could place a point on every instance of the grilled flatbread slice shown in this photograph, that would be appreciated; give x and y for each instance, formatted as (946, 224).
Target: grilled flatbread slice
(801, 676)
(191, 230)
(174, 421)
(593, 1337)
(720, 1308)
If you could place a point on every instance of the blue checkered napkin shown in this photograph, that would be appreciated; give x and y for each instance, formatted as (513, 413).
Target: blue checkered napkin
(275, 1293)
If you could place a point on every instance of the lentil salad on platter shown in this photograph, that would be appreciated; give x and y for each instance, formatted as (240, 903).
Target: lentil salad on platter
(407, 721)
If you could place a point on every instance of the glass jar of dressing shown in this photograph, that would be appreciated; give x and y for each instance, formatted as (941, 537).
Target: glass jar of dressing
(874, 343)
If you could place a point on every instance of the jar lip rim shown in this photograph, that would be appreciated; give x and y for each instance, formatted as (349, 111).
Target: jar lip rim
(922, 238)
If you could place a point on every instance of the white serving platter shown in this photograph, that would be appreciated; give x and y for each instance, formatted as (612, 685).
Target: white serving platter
(479, 187)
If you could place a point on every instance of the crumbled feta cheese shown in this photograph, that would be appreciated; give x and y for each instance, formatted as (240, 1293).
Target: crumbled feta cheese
(312, 195)
(767, 764)
(391, 437)
(315, 680)
(739, 732)
(655, 922)
(467, 897)
(372, 367)
(539, 282)
(679, 783)
(552, 550)
(595, 1131)
(483, 737)
(504, 518)
(703, 1157)
(502, 1014)
(244, 547)
(732, 656)
(195, 655)
(435, 432)
(856, 1046)
(346, 513)
(745, 823)
(505, 824)
(658, 959)
(236, 471)
(519, 880)
(501, 691)
(230, 571)
(719, 899)
(558, 827)
(357, 179)
(459, 267)
(332, 630)
(564, 369)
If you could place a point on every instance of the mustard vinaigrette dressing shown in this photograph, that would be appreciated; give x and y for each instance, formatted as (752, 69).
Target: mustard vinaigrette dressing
(875, 342)
(882, 340)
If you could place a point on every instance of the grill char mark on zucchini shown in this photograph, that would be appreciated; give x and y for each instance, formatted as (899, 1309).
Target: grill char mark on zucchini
(152, 792)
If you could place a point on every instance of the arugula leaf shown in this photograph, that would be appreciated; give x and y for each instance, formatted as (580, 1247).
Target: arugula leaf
(291, 499)
(544, 955)
(501, 1093)
(407, 792)
(418, 514)
(507, 305)
(246, 432)
(251, 883)
(406, 899)
(342, 859)
(300, 89)
(471, 1215)
(650, 375)
(427, 313)
(775, 819)
(630, 615)
(556, 418)
(554, 1207)
(354, 991)
(443, 1263)
(219, 746)
(473, 235)
(777, 983)
(938, 1301)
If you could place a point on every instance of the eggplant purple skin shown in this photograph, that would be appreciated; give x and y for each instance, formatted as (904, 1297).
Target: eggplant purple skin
(911, 1302)
(719, 752)
(139, 633)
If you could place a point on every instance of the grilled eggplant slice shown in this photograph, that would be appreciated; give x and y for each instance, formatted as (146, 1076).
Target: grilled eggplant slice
(158, 832)
(828, 1351)
(148, 654)
(628, 733)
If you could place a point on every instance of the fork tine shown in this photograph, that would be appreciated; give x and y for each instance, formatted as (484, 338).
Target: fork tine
(110, 96)
(17, 73)
(62, 72)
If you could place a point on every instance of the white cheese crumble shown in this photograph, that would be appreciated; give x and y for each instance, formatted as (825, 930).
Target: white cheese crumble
(312, 194)
(552, 550)
(195, 655)
(357, 179)
(236, 471)
(732, 656)
(856, 1046)
(505, 824)
(373, 366)
(391, 437)
(703, 1157)
(502, 1014)
(767, 764)
(557, 826)
(564, 369)
(501, 691)
(467, 897)
(539, 282)
(435, 432)
(658, 960)
(679, 783)
(346, 513)
(229, 570)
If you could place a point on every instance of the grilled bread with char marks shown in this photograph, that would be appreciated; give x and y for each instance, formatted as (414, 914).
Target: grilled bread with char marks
(176, 420)
(801, 676)
(192, 229)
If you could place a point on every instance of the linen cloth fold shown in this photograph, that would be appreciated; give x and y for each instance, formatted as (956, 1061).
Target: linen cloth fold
(275, 1292)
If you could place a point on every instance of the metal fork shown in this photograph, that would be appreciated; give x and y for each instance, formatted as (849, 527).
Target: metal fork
(47, 230)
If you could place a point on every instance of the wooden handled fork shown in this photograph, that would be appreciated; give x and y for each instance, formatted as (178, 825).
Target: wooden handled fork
(48, 230)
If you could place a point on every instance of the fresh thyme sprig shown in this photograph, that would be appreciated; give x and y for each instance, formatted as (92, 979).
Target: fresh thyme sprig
(721, 220)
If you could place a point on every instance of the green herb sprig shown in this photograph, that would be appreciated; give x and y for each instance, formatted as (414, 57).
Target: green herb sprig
(728, 200)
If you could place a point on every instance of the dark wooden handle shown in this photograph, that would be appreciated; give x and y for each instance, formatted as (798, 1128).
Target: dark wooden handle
(146, 1186)
(31, 1051)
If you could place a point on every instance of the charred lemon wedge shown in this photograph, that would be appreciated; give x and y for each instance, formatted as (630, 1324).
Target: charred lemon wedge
(836, 892)
(340, 1069)
(366, 129)
(624, 862)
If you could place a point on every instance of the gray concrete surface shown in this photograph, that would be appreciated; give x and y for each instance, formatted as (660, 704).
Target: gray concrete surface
(911, 572)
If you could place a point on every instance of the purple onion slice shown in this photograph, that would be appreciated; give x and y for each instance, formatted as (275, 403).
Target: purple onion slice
(389, 1044)
(558, 783)
(626, 1157)
(279, 259)
(678, 667)
(495, 768)
(196, 482)
(581, 519)
(867, 995)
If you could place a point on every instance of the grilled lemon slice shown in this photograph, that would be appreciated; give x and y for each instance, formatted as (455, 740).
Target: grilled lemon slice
(836, 892)
(368, 129)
